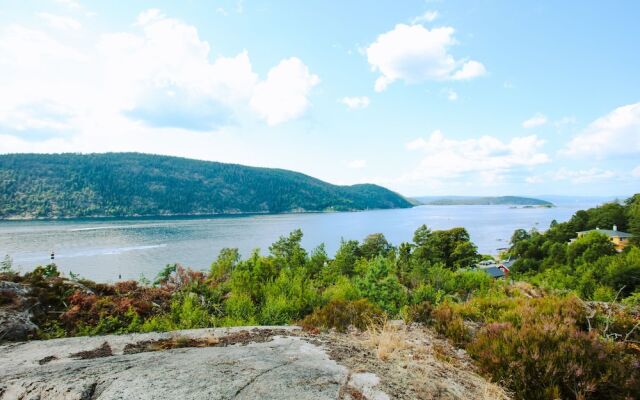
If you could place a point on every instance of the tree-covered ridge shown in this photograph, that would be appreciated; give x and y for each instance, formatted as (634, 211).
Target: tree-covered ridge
(130, 184)
(589, 265)
(483, 201)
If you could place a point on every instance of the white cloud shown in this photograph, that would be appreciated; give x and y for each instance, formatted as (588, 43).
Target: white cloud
(356, 102)
(160, 74)
(357, 164)
(535, 121)
(451, 94)
(60, 21)
(487, 156)
(470, 69)
(283, 95)
(617, 133)
(428, 16)
(581, 176)
(636, 172)
(413, 54)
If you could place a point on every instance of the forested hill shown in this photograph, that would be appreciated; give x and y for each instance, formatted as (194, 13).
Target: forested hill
(477, 201)
(132, 184)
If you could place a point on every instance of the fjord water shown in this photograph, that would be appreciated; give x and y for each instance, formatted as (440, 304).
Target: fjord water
(104, 249)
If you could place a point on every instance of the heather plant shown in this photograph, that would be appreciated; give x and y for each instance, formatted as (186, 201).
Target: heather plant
(553, 359)
(342, 314)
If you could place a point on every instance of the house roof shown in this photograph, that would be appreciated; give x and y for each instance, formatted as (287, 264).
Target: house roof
(494, 272)
(610, 233)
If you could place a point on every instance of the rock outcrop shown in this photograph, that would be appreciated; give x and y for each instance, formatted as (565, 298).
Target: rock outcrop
(221, 363)
(15, 312)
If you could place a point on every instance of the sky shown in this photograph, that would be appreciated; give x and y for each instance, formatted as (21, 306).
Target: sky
(423, 97)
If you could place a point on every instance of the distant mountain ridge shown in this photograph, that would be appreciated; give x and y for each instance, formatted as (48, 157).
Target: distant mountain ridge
(135, 184)
(478, 200)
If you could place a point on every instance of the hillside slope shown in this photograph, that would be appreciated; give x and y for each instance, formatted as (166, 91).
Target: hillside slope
(132, 184)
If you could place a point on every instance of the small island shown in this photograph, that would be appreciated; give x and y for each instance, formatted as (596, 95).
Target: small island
(483, 201)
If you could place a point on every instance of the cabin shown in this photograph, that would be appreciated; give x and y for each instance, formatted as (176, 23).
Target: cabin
(496, 271)
(619, 239)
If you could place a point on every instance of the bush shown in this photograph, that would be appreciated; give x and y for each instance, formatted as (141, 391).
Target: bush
(341, 314)
(553, 359)
(382, 287)
(421, 312)
(240, 307)
(450, 324)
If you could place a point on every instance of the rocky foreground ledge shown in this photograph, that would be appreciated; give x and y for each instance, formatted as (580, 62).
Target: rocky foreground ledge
(242, 363)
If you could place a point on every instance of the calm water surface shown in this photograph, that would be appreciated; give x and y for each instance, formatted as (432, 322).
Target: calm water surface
(103, 249)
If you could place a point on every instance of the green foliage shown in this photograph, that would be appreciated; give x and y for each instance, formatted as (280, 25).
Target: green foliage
(342, 289)
(131, 184)
(589, 248)
(165, 273)
(420, 312)
(225, 264)
(6, 266)
(375, 245)
(453, 248)
(536, 362)
(545, 348)
(383, 288)
(539, 343)
(590, 265)
(341, 314)
(344, 262)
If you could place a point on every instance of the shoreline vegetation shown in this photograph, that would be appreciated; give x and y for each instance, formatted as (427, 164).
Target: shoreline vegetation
(181, 216)
(564, 324)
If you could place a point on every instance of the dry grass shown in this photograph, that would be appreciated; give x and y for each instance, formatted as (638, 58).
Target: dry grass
(387, 339)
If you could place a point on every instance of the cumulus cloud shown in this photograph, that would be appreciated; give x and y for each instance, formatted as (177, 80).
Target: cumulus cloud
(537, 120)
(470, 69)
(161, 73)
(428, 16)
(60, 21)
(617, 133)
(413, 54)
(357, 164)
(356, 102)
(283, 95)
(487, 156)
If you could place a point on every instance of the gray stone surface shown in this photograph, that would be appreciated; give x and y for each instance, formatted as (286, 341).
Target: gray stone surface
(285, 367)
(15, 317)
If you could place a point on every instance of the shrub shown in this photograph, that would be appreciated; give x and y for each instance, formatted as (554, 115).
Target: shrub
(240, 307)
(450, 324)
(382, 287)
(277, 310)
(421, 312)
(342, 289)
(341, 314)
(189, 313)
(552, 359)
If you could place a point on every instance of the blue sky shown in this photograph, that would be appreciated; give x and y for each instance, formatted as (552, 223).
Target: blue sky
(424, 97)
